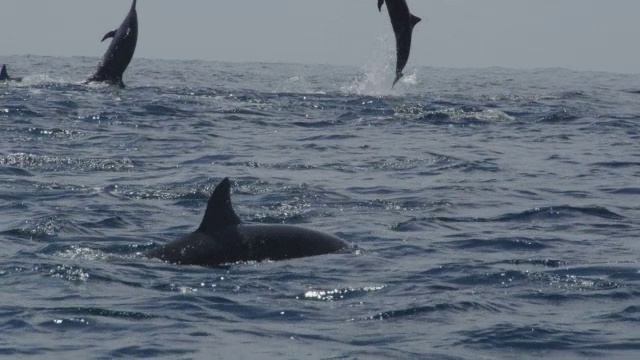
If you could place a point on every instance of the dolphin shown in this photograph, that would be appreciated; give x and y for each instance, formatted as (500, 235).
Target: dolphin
(120, 51)
(222, 238)
(4, 76)
(402, 22)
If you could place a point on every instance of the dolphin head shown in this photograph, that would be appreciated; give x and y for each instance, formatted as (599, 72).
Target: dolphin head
(132, 17)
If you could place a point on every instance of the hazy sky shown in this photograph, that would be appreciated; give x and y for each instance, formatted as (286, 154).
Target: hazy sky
(575, 34)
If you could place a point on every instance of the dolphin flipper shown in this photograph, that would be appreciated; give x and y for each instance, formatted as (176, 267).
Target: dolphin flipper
(380, 2)
(110, 34)
(414, 20)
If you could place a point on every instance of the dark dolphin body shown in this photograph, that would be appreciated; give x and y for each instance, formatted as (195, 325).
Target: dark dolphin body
(120, 51)
(222, 238)
(402, 22)
(4, 76)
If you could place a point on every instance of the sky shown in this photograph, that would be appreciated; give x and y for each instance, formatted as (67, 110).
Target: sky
(599, 35)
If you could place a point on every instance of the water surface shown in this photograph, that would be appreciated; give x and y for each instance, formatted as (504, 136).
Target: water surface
(492, 213)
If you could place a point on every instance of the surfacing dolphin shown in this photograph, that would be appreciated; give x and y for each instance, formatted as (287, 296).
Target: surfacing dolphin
(120, 51)
(4, 76)
(402, 22)
(222, 238)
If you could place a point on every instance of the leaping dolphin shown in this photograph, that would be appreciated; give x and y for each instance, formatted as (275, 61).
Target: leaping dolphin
(120, 51)
(222, 238)
(4, 76)
(402, 22)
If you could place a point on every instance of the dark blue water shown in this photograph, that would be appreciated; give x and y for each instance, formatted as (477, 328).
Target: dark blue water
(493, 213)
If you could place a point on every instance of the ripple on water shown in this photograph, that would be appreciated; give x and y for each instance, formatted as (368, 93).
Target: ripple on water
(51, 163)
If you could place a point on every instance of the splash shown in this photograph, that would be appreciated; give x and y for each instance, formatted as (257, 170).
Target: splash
(379, 74)
(39, 80)
(299, 84)
(338, 294)
(78, 252)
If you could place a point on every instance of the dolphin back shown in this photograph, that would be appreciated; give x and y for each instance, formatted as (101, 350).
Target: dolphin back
(242, 243)
(279, 242)
(221, 238)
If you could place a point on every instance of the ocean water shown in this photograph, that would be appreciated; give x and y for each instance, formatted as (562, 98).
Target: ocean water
(491, 213)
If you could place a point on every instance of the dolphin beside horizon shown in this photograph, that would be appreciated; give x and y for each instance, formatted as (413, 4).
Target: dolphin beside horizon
(222, 238)
(402, 22)
(120, 52)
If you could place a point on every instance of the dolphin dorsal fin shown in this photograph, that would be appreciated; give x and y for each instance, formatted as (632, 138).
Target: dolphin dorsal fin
(3, 72)
(133, 4)
(414, 20)
(219, 213)
(110, 34)
(380, 2)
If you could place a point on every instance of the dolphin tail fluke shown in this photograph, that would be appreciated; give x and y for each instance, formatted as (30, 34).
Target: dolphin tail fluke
(380, 2)
(414, 20)
(399, 75)
(3, 73)
(110, 34)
